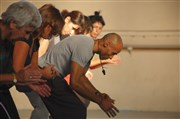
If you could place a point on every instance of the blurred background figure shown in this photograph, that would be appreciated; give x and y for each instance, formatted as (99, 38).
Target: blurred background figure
(98, 23)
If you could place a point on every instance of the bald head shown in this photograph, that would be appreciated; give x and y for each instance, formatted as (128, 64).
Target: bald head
(115, 40)
(110, 45)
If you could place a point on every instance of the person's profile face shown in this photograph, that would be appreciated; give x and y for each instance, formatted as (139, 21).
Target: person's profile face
(69, 28)
(47, 31)
(20, 33)
(109, 51)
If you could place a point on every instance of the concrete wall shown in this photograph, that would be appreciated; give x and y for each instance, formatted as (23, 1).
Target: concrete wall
(145, 80)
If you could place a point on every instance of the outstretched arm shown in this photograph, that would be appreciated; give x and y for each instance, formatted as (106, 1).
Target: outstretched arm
(24, 74)
(7, 78)
(80, 83)
(44, 44)
(96, 63)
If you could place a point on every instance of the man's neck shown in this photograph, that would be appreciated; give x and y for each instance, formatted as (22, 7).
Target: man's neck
(96, 46)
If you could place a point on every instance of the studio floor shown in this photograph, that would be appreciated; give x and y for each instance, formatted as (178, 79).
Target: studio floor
(98, 114)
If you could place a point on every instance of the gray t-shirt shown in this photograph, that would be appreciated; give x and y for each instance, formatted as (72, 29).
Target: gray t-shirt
(53, 41)
(78, 48)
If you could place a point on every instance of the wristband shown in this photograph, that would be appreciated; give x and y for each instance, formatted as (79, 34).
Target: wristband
(14, 78)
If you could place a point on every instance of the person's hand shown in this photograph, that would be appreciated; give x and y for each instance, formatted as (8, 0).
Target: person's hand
(49, 72)
(114, 60)
(107, 105)
(43, 90)
(28, 75)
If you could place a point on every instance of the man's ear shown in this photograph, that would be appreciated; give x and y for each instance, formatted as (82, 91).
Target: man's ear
(67, 19)
(105, 43)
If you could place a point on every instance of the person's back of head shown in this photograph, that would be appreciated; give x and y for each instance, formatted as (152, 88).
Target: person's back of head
(108, 46)
(76, 17)
(64, 13)
(23, 13)
(115, 41)
(114, 38)
(87, 27)
(51, 16)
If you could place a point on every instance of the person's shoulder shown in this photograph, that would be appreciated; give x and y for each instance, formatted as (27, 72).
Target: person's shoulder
(27, 41)
(86, 37)
(81, 35)
(78, 38)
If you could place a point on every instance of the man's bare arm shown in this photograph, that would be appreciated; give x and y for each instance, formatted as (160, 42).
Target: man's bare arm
(81, 84)
(84, 87)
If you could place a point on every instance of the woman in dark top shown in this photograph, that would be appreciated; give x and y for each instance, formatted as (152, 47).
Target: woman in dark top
(52, 22)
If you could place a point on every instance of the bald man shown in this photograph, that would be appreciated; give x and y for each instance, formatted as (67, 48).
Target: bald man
(73, 56)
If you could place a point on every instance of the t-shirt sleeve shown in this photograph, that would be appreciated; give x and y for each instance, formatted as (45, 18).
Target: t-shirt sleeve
(82, 53)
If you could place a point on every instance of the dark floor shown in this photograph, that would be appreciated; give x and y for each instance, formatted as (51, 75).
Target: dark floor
(98, 114)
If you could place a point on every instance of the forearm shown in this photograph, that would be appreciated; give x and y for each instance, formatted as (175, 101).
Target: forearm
(20, 54)
(80, 83)
(83, 86)
(96, 63)
(44, 44)
(7, 78)
(87, 90)
(94, 66)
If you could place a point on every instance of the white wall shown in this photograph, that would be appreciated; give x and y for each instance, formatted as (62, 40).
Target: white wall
(145, 79)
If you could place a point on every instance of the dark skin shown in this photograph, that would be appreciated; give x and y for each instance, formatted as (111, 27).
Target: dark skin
(79, 82)
(82, 85)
